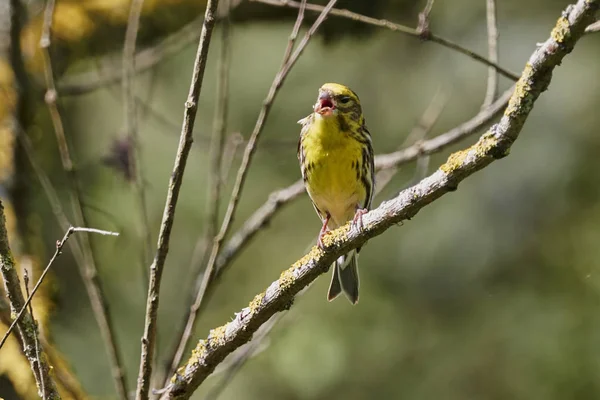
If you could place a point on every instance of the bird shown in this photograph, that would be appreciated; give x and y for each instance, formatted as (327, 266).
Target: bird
(337, 166)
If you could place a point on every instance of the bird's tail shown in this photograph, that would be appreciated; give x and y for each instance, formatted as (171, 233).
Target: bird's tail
(345, 278)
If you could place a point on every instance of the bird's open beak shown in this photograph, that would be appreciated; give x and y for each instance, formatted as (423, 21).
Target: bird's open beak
(324, 104)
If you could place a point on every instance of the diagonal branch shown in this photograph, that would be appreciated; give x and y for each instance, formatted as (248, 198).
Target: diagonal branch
(164, 235)
(492, 145)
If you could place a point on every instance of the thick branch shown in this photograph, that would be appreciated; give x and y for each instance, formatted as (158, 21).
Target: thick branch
(494, 144)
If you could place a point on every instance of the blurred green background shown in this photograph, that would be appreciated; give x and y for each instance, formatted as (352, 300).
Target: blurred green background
(492, 292)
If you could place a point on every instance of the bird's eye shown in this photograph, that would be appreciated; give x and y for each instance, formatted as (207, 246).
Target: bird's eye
(345, 99)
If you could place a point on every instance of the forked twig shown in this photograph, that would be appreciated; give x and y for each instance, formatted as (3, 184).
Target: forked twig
(59, 246)
(382, 23)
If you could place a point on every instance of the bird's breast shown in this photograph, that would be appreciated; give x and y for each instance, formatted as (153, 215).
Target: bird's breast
(332, 169)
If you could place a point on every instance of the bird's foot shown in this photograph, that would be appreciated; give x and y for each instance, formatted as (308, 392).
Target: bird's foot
(323, 232)
(357, 222)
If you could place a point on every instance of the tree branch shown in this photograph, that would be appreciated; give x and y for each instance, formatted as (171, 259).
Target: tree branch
(492, 32)
(26, 324)
(131, 129)
(183, 151)
(382, 23)
(492, 145)
(59, 246)
(88, 270)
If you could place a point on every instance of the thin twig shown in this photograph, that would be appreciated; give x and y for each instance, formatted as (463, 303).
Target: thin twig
(446, 139)
(183, 150)
(217, 141)
(88, 270)
(59, 245)
(423, 27)
(28, 332)
(414, 138)
(50, 193)
(492, 32)
(289, 59)
(38, 356)
(230, 153)
(279, 198)
(492, 145)
(131, 125)
(382, 23)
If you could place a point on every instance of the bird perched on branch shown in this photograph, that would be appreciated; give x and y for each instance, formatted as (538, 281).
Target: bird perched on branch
(336, 161)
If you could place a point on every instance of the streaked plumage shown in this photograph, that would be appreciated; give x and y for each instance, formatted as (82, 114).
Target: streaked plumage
(336, 161)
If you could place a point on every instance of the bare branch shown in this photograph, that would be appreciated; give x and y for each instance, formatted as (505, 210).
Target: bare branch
(217, 144)
(415, 138)
(27, 327)
(423, 27)
(444, 140)
(38, 355)
(289, 59)
(183, 150)
(492, 145)
(492, 32)
(382, 23)
(87, 270)
(131, 126)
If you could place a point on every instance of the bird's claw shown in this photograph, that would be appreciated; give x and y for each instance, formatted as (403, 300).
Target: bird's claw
(357, 221)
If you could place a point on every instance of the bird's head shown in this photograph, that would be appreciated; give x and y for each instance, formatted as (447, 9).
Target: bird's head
(335, 99)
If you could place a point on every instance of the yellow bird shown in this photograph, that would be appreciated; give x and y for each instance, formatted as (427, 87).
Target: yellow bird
(336, 161)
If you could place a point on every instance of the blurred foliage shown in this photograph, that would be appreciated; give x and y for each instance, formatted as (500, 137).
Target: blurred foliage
(489, 293)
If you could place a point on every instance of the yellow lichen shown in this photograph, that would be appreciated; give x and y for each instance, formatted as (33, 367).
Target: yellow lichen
(518, 103)
(286, 278)
(197, 354)
(337, 235)
(217, 335)
(487, 142)
(454, 161)
(314, 254)
(561, 31)
(256, 302)
(480, 149)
